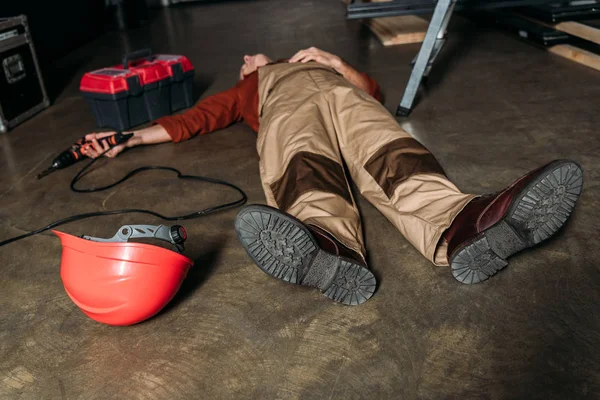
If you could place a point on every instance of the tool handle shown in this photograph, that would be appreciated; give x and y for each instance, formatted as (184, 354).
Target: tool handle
(136, 55)
(117, 139)
(112, 141)
(77, 151)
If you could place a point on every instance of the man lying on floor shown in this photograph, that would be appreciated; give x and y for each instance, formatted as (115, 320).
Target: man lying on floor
(313, 113)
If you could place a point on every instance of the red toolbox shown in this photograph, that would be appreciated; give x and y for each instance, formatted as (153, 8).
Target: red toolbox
(181, 72)
(142, 89)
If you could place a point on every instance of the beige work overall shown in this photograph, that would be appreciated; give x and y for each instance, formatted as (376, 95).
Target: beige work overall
(312, 121)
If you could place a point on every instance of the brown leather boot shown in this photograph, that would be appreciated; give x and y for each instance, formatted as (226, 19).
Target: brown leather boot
(492, 228)
(288, 250)
(328, 243)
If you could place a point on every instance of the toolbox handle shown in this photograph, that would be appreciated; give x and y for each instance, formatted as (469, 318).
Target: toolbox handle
(136, 55)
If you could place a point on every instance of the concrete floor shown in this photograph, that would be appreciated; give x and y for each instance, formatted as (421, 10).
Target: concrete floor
(495, 109)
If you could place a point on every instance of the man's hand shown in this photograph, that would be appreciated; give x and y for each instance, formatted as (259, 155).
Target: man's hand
(96, 148)
(318, 55)
(152, 135)
(333, 61)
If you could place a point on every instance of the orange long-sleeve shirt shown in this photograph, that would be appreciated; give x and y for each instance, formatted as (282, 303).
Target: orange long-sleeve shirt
(240, 103)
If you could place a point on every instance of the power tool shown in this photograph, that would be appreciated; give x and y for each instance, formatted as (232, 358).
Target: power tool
(77, 151)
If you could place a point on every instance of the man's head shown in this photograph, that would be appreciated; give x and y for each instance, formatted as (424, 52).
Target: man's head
(252, 63)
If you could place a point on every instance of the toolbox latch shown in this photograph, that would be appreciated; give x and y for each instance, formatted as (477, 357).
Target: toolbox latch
(14, 69)
(133, 83)
(177, 70)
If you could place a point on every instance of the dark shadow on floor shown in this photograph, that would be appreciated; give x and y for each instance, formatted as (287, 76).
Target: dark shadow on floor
(356, 194)
(58, 75)
(201, 83)
(187, 3)
(459, 43)
(203, 267)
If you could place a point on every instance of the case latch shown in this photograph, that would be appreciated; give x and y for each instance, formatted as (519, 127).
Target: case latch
(14, 69)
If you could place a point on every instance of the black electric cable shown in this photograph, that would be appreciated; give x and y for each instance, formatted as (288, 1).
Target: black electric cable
(136, 171)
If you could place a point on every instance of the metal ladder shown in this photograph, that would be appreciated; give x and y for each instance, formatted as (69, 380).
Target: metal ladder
(431, 47)
(436, 32)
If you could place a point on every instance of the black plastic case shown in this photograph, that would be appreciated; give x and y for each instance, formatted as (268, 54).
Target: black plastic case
(22, 91)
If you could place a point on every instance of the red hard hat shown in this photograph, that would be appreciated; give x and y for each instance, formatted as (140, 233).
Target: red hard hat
(120, 283)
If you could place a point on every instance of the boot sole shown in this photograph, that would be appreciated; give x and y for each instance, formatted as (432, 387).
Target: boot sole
(285, 249)
(536, 214)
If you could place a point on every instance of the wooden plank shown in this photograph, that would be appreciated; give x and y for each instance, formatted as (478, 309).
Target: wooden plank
(578, 55)
(570, 51)
(399, 30)
(577, 29)
(580, 30)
